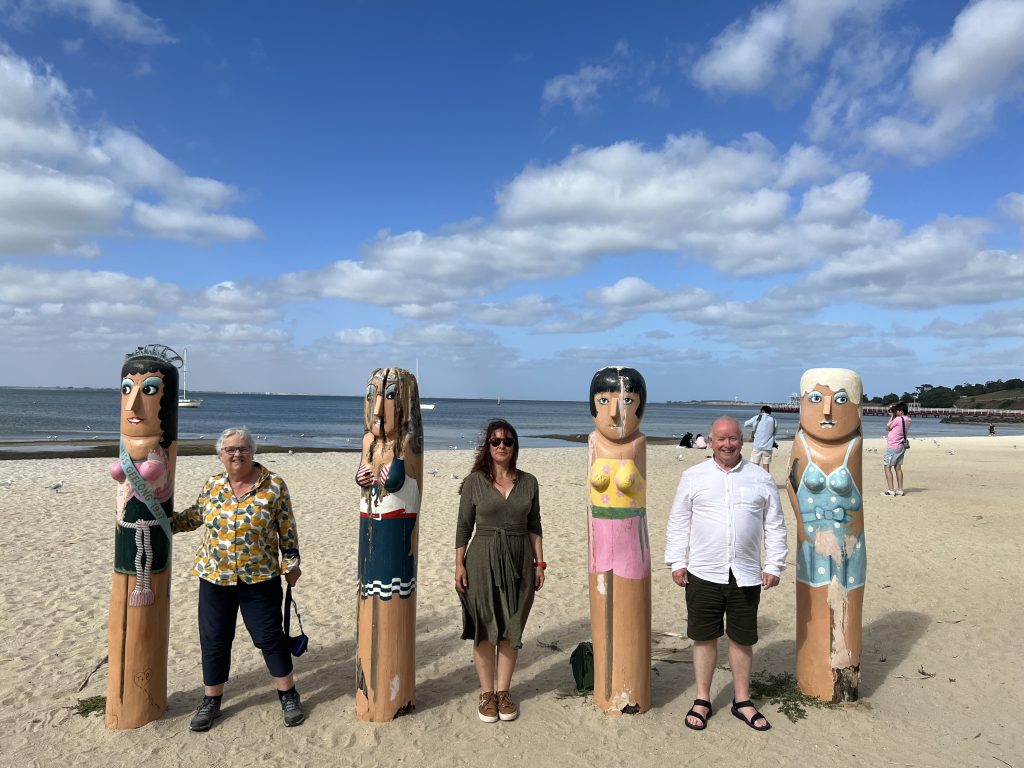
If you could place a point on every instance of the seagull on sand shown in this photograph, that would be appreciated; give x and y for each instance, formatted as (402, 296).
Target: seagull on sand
(55, 487)
(7, 482)
(433, 472)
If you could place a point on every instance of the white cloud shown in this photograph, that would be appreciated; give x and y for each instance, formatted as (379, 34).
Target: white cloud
(938, 264)
(231, 301)
(958, 84)
(523, 310)
(580, 88)
(34, 107)
(1013, 205)
(46, 211)
(805, 164)
(725, 205)
(113, 17)
(838, 202)
(776, 42)
(192, 225)
(226, 336)
(864, 83)
(440, 310)
(62, 185)
(996, 323)
(628, 291)
(25, 286)
(81, 310)
(362, 337)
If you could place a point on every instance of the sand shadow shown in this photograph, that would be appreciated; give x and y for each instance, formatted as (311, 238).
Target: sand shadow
(886, 643)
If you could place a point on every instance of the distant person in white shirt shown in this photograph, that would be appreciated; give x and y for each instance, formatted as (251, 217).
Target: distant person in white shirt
(722, 510)
(764, 427)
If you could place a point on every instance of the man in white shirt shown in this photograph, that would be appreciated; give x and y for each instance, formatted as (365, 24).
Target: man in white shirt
(722, 510)
(764, 427)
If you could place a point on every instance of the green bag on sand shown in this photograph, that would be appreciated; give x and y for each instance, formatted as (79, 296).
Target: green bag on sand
(582, 662)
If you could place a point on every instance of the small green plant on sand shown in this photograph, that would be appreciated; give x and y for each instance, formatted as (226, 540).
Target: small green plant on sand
(94, 705)
(781, 691)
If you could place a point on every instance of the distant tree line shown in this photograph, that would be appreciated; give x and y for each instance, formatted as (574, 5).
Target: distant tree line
(928, 396)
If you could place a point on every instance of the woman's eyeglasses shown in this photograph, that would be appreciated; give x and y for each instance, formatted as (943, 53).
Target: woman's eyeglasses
(239, 451)
(508, 442)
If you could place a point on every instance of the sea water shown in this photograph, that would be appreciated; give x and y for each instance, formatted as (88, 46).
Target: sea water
(46, 416)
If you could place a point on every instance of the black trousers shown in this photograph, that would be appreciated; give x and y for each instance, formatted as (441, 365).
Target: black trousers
(261, 611)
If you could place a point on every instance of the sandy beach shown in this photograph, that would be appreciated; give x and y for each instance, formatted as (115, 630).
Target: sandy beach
(941, 672)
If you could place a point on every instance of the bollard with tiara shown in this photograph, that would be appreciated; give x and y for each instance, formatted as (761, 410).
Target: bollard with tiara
(390, 476)
(619, 560)
(140, 599)
(824, 487)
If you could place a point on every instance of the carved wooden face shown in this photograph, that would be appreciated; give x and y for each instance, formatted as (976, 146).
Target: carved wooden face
(829, 416)
(616, 417)
(380, 413)
(140, 404)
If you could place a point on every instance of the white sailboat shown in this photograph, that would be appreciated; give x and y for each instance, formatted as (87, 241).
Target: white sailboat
(183, 399)
(423, 406)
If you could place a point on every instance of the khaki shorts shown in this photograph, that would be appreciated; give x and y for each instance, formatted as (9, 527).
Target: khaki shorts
(761, 457)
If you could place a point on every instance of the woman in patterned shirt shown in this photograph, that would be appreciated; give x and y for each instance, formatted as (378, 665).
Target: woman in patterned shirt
(249, 542)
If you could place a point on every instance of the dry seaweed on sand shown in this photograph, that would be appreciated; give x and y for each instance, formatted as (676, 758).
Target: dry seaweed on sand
(781, 691)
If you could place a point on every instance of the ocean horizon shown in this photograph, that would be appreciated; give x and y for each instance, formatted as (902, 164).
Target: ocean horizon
(44, 416)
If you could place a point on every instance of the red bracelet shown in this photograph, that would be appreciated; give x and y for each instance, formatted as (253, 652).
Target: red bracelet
(540, 564)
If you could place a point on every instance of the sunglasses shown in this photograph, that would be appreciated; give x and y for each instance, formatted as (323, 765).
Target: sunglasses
(508, 442)
(239, 451)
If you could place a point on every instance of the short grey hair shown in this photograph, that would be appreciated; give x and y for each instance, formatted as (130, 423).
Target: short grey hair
(726, 420)
(242, 432)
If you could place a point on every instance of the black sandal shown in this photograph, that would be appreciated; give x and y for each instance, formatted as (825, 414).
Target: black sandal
(703, 719)
(738, 705)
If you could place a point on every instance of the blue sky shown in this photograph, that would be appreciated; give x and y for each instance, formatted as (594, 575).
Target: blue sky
(720, 195)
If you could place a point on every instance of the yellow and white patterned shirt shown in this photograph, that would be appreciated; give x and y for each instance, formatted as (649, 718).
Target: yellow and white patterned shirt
(243, 537)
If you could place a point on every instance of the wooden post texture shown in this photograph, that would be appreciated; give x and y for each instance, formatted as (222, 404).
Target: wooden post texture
(139, 625)
(824, 488)
(619, 561)
(391, 479)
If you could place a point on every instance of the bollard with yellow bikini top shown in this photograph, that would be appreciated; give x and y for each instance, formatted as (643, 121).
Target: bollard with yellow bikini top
(619, 561)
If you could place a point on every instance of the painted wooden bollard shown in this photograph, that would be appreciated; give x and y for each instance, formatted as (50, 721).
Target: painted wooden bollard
(825, 491)
(391, 477)
(140, 598)
(619, 560)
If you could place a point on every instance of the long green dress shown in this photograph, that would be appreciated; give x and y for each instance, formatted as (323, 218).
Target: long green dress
(499, 561)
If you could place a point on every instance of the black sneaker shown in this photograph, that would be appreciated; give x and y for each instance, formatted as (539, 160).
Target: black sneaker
(208, 711)
(291, 707)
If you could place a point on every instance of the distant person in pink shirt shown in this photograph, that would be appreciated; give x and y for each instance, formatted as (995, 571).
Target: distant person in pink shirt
(896, 444)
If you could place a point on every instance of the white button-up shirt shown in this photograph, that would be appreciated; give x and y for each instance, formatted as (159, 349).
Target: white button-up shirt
(717, 521)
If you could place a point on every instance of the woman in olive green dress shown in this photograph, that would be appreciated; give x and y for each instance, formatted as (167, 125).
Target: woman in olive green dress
(503, 567)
